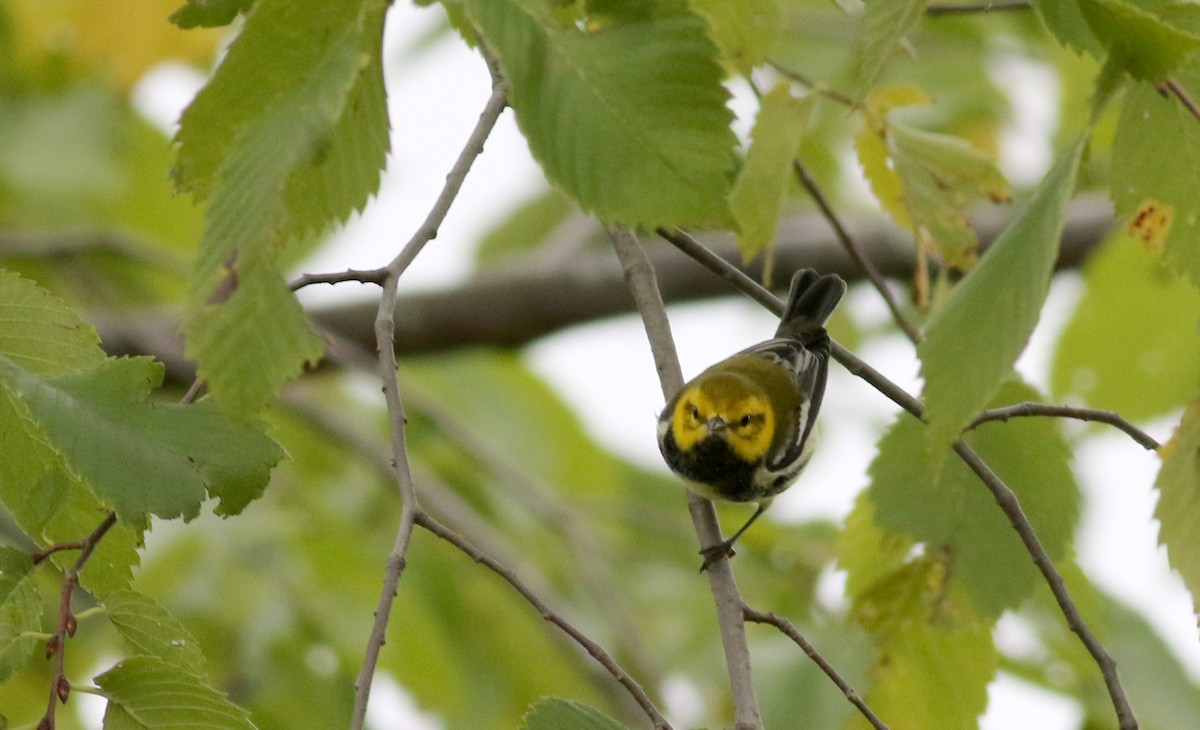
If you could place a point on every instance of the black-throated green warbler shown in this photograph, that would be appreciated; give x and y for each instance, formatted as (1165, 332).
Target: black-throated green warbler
(742, 430)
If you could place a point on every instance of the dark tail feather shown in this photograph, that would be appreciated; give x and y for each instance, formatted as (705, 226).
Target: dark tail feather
(812, 299)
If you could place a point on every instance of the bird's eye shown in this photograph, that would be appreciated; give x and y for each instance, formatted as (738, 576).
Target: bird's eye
(693, 411)
(746, 420)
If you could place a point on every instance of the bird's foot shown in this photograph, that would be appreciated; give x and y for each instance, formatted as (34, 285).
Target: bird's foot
(713, 553)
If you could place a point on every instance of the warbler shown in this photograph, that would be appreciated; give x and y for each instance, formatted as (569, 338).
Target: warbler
(742, 430)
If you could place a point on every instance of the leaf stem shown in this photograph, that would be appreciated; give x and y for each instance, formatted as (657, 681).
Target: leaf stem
(788, 629)
(595, 650)
(852, 249)
(1111, 418)
(1172, 87)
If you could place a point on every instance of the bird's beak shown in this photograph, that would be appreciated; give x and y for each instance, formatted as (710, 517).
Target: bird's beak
(716, 424)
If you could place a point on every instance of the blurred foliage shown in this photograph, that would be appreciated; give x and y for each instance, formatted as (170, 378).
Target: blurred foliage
(262, 617)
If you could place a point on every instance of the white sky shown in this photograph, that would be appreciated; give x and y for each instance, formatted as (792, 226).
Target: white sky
(435, 103)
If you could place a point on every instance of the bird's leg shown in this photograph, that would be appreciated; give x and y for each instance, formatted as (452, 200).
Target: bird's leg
(713, 553)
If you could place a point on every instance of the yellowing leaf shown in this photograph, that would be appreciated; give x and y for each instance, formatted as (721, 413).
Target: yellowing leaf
(885, 182)
(942, 175)
(745, 31)
(1130, 299)
(1151, 224)
(931, 646)
(1158, 196)
(762, 183)
(120, 39)
(883, 100)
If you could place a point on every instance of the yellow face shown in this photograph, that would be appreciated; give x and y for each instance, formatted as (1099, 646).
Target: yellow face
(728, 407)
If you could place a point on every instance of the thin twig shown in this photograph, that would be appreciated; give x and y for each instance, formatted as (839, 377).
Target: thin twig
(362, 276)
(1171, 86)
(56, 646)
(1005, 498)
(815, 86)
(789, 630)
(987, 6)
(1111, 418)
(851, 247)
(385, 332)
(595, 650)
(639, 274)
(1011, 506)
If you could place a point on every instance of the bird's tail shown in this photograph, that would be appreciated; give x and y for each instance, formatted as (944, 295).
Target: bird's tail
(810, 302)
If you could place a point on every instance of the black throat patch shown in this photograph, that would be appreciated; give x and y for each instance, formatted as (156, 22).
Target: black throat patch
(713, 462)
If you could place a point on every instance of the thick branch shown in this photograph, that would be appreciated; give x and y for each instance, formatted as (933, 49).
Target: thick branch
(516, 305)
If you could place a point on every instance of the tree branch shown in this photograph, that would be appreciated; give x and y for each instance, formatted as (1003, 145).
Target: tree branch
(514, 305)
(385, 339)
(595, 650)
(1082, 414)
(1005, 497)
(789, 630)
(56, 646)
(852, 249)
(642, 282)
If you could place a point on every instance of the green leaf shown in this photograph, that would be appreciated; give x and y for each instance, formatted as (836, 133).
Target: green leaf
(1178, 508)
(952, 512)
(144, 457)
(866, 551)
(40, 333)
(1147, 38)
(208, 13)
(42, 337)
(532, 224)
(555, 713)
(504, 393)
(931, 646)
(1153, 134)
(20, 611)
(1064, 19)
(52, 504)
(758, 193)
(1130, 299)
(973, 340)
(280, 62)
(250, 345)
(287, 138)
(746, 31)
(942, 176)
(149, 629)
(885, 22)
(630, 120)
(147, 692)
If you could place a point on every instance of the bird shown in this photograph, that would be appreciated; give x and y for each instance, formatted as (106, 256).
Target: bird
(743, 430)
